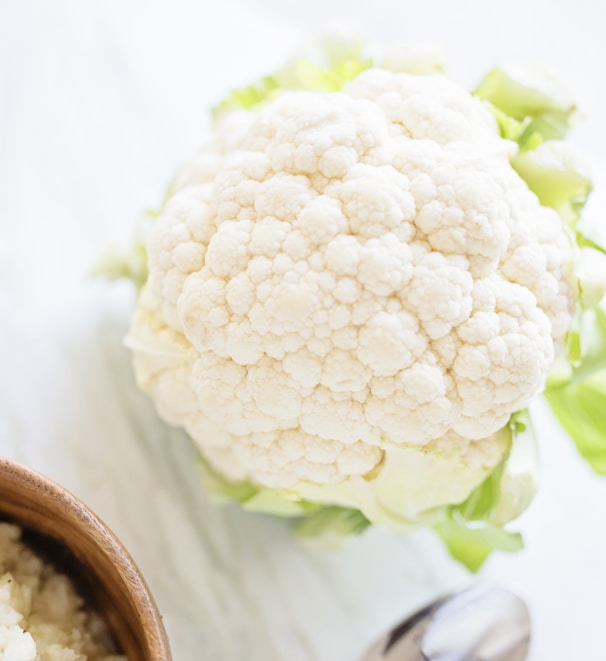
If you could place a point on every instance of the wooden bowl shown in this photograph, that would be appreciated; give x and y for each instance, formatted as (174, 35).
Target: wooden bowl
(63, 530)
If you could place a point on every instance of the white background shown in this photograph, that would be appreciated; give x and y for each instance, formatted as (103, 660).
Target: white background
(99, 103)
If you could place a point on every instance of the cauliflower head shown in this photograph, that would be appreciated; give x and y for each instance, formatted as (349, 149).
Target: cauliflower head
(351, 292)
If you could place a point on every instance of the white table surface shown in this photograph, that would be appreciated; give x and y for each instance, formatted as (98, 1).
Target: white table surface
(99, 103)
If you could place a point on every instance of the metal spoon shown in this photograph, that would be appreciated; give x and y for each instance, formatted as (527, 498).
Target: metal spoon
(481, 623)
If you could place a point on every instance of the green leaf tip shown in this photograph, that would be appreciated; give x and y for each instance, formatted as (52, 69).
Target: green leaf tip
(553, 172)
(530, 98)
(577, 396)
(328, 66)
(472, 542)
(330, 526)
(473, 529)
(299, 75)
(324, 525)
(531, 111)
(117, 264)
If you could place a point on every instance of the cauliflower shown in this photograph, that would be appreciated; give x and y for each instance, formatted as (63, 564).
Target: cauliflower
(352, 294)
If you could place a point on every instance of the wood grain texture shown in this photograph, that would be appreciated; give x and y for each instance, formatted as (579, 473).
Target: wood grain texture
(70, 534)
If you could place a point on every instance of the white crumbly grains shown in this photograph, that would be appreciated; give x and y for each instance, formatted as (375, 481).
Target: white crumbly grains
(42, 617)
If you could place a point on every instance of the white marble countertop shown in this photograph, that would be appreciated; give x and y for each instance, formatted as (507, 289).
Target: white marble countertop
(99, 102)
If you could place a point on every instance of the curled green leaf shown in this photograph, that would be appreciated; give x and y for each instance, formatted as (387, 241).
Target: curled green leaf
(533, 99)
(578, 397)
(473, 529)
(472, 542)
(336, 62)
(554, 173)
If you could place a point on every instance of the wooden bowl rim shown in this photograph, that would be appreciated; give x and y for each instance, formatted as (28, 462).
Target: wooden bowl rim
(106, 540)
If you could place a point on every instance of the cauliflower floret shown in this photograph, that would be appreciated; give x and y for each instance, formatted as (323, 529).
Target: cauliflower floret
(348, 275)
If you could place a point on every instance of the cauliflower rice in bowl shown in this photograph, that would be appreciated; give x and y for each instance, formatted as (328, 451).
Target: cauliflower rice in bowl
(42, 615)
(74, 540)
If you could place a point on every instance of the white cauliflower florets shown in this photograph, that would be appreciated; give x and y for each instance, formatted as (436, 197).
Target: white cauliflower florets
(340, 277)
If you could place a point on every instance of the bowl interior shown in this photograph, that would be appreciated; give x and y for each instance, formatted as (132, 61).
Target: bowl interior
(66, 532)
